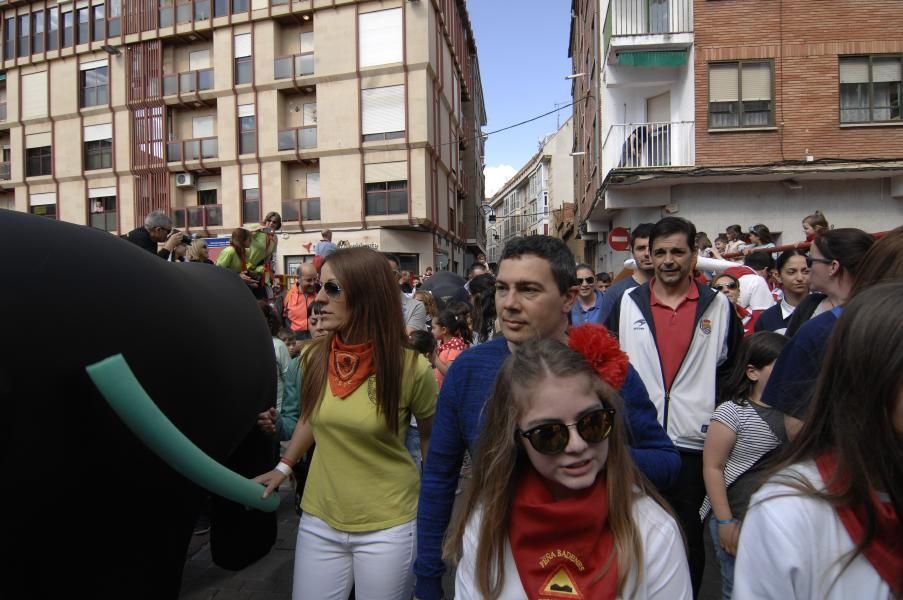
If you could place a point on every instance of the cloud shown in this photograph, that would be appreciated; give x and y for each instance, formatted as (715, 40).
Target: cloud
(496, 178)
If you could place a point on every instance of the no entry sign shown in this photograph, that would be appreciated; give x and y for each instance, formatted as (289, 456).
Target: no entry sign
(619, 239)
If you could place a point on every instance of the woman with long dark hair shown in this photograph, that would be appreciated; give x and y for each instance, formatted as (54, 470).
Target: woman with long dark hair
(556, 505)
(482, 297)
(793, 274)
(827, 523)
(361, 386)
(235, 256)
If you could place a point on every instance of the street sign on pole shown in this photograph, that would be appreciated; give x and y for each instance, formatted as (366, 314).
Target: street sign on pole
(619, 239)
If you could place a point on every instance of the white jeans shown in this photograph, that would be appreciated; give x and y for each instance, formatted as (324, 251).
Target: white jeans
(329, 561)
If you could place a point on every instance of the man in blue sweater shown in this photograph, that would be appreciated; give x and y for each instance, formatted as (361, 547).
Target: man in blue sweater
(535, 291)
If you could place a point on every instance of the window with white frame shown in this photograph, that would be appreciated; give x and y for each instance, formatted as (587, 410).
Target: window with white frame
(380, 37)
(386, 188)
(43, 205)
(102, 208)
(98, 146)
(383, 113)
(871, 88)
(250, 198)
(244, 62)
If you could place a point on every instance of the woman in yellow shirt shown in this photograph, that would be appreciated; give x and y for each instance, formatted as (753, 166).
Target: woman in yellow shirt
(361, 386)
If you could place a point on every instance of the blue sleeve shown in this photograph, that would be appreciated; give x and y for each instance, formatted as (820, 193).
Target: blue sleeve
(609, 299)
(291, 402)
(437, 486)
(793, 377)
(651, 448)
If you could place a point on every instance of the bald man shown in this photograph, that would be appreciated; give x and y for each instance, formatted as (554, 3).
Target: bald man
(299, 298)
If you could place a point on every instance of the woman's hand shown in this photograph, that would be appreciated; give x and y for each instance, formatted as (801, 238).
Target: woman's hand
(728, 535)
(271, 480)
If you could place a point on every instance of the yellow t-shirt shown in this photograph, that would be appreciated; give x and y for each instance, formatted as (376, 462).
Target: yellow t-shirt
(362, 477)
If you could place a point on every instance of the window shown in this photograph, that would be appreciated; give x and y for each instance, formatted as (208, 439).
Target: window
(100, 21)
(383, 113)
(387, 198)
(98, 147)
(24, 39)
(239, 6)
(871, 88)
(247, 129)
(9, 38)
(380, 37)
(53, 28)
(202, 127)
(250, 199)
(102, 208)
(740, 95)
(114, 19)
(38, 161)
(94, 78)
(220, 8)
(84, 26)
(206, 197)
(37, 23)
(305, 62)
(244, 67)
(43, 205)
(67, 29)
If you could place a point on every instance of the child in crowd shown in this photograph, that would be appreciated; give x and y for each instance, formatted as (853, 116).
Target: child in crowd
(449, 330)
(557, 507)
(743, 431)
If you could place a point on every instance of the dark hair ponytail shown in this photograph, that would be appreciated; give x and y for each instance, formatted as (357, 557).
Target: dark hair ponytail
(758, 350)
(451, 321)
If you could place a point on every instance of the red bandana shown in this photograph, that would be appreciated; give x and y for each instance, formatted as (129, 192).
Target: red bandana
(349, 366)
(885, 551)
(560, 546)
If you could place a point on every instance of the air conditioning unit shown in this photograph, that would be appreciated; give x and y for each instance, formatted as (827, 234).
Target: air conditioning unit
(184, 180)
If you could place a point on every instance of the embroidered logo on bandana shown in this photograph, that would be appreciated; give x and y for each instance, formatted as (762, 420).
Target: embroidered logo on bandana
(705, 326)
(560, 585)
(345, 364)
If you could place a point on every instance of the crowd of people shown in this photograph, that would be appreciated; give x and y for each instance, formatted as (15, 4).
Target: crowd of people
(603, 422)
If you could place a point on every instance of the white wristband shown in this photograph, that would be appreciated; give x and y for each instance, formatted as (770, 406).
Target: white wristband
(284, 469)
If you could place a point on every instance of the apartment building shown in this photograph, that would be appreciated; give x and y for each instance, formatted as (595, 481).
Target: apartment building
(737, 111)
(359, 116)
(526, 204)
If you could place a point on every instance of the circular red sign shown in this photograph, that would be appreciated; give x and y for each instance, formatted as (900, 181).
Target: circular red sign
(619, 239)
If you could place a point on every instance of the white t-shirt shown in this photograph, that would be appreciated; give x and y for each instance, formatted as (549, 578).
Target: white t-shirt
(283, 361)
(794, 546)
(666, 575)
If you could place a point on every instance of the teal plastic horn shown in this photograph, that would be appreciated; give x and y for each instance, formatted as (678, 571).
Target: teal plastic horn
(125, 395)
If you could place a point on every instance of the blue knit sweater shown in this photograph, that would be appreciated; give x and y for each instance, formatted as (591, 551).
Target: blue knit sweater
(457, 425)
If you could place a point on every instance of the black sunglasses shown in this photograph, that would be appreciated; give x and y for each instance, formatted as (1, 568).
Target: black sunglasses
(810, 260)
(332, 289)
(586, 280)
(553, 438)
(731, 286)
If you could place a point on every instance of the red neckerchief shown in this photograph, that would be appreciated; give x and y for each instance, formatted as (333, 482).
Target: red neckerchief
(885, 551)
(455, 343)
(349, 366)
(560, 547)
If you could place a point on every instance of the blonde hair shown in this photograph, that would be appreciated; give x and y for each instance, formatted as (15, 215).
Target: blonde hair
(500, 460)
(194, 250)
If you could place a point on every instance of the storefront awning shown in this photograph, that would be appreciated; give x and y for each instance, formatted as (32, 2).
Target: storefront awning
(664, 58)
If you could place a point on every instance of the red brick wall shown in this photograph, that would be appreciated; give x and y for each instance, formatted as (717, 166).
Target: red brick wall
(584, 36)
(812, 34)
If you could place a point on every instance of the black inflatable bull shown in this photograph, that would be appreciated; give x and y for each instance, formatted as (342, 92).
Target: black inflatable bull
(87, 509)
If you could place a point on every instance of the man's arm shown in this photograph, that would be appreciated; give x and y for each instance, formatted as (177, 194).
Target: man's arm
(417, 318)
(651, 448)
(437, 488)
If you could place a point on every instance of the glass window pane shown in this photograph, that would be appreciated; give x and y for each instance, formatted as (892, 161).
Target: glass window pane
(250, 209)
(286, 139)
(243, 70)
(214, 216)
(183, 13)
(201, 10)
(311, 210)
(306, 64)
(99, 23)
(220, 8)
(398, 202)
(308, 137)
(239, 6)
(376, 203)
(83, 26)
(282, 67)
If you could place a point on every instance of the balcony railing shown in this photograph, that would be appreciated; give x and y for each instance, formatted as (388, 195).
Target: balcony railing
(305, 209)
(299, 138)
(649, 17)
(4, 171)
(188, 82)
(194, 149)
(649, 145)
(297, 65)
(198, 217)
(196, 10)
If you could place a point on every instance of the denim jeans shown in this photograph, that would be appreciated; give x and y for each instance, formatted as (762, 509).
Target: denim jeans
(412, 443)
(725, 560)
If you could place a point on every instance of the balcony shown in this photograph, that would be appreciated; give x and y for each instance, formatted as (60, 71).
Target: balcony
(189, 82)
(198, 217)
(194, 149)
(649, 146)
(299, 138)
(292, 67)
(4, 171)
(648, 33)
(308, 209)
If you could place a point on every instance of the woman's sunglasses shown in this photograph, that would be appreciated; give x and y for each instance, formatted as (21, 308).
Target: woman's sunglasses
(731, 286)
(586, 280)
(553, 438)
(332, 289)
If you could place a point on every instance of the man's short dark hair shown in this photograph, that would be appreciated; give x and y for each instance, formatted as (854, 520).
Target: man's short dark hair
(640, 231)
(670, 226)
(561, 259)
(603, 277)
(393, 258)
(759, 260)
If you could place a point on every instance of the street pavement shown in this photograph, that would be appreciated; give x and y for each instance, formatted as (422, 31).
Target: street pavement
(270, 578)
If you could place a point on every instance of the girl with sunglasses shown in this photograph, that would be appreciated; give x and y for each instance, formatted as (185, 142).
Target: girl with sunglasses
(729, 285)
(361, 386)
(556, 507)
(827, 523)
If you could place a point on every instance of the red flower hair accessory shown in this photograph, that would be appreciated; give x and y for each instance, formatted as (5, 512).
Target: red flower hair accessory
(602, 351)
